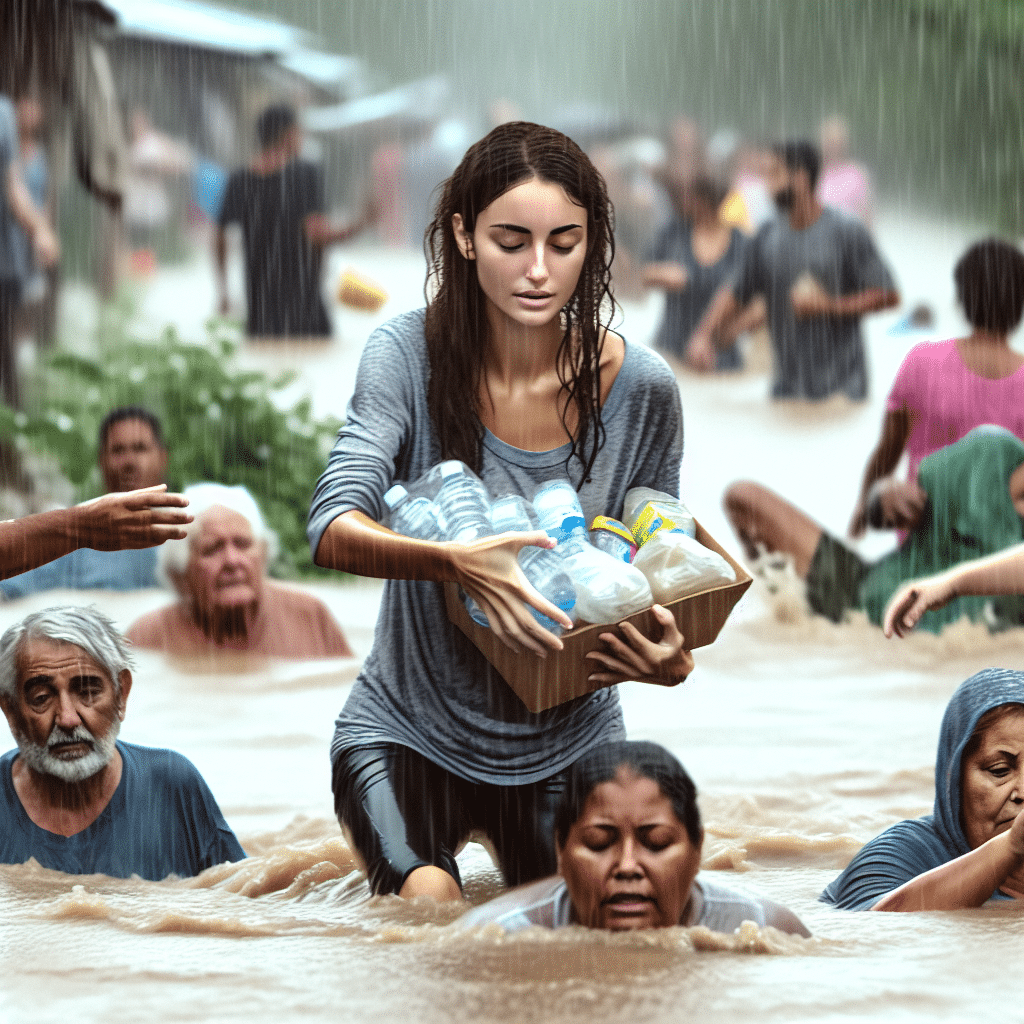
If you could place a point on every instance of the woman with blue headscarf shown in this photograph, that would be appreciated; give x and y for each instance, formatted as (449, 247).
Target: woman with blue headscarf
(971, 848)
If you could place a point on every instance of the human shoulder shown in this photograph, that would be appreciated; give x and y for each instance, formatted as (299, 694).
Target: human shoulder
(543, 904)
(165, 770)
(153, 629)
(644, 368)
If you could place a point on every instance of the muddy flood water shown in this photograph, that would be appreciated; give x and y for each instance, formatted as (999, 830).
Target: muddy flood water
(805, 740)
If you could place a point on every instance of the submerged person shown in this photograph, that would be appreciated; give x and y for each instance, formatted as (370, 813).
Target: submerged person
(974, 500)
(131, 455)
(944, 389)
(72, 795)
(819, 272)
(970, 849)
(226, 603)
(511, 368)
(629, 837)
(692, 257)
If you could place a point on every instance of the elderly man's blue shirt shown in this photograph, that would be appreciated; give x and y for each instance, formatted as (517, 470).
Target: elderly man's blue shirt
(161, 820)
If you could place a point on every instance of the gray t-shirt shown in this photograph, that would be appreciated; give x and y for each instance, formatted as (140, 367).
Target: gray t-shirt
(11, 265)
(546, 904)
(814, 356)
(424, 684)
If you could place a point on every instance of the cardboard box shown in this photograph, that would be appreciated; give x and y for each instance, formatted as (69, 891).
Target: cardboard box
(542, 683)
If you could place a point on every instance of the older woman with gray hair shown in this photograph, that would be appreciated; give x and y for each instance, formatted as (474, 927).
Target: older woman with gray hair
(225, 601)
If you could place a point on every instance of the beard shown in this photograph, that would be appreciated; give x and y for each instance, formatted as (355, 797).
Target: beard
(41, 759)
(784, 199)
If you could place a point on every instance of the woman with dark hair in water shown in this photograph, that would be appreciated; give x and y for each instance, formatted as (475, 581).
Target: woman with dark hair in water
(629, 840)
(512, 368)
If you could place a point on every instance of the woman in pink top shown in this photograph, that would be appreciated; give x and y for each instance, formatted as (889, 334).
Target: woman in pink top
(944, 389)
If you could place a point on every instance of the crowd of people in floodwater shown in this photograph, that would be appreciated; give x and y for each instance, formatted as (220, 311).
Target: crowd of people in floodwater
(512, 367)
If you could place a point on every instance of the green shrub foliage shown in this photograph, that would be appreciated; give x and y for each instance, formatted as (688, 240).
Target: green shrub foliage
(220, 423)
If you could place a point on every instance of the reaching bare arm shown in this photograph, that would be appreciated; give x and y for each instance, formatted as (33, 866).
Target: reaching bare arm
(486, 569)
(700, 352)
(883, 460)
(131, 519)
(820, 303)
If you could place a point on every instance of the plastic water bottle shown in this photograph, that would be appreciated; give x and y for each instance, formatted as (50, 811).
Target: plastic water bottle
(607, 589)
(464, 507)
(645, 511)
(543, 567)
(613, 537)
(413, 516)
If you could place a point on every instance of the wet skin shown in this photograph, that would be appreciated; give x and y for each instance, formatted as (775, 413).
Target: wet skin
(226, 563)
(628, 861)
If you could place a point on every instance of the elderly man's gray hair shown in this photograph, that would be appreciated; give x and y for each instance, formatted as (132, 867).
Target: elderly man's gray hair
(173, 555)
(87, 628)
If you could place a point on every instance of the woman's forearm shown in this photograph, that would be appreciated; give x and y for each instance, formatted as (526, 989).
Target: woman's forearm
(355, 543)
(959, 884)
(1001, 573)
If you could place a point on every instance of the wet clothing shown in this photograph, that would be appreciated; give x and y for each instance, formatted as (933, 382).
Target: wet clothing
(947, 399)
(969, 515)
(282, 268)
(289, 624)
(424, 684)
(403, 812)
(685, 308)
(86, 569)
(816, 356)
(161, 820)
(546, 904)
(911, 847)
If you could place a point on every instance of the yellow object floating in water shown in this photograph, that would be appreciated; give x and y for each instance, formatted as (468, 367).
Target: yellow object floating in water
(359, 292)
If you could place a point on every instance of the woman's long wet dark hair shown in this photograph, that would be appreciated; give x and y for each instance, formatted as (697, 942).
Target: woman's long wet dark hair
(456, 322)
(643, 759)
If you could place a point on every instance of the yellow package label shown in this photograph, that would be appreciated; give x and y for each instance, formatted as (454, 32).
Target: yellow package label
(651, 519)
(612, 526)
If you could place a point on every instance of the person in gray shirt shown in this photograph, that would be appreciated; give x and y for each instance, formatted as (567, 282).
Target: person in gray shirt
(512, 369)
(819, 272)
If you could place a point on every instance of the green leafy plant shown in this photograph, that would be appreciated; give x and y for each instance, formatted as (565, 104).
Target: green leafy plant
(220, 423)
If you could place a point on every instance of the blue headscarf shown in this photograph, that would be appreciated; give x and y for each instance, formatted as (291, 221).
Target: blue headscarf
(912, 847)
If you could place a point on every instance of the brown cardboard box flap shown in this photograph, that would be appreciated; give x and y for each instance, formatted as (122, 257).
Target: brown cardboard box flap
(542, 683)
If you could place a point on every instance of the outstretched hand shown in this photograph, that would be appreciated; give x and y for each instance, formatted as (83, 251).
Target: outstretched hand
(700, 353)
(912, 600)
(131, 519)
(488, 570)
(633, 656)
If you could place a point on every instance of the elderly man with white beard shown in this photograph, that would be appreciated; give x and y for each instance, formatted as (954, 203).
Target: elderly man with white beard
(73, 796)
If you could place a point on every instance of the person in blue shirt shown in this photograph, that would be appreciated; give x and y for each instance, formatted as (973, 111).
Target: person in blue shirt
(131, 456)
(72, 795)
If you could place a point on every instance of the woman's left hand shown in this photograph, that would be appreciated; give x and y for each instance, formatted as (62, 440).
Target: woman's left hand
(633, 656)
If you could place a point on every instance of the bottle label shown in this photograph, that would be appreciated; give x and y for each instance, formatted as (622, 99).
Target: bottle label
(651, 519)
(568, 526)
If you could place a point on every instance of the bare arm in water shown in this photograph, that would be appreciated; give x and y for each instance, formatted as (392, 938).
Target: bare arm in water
(113, 522)
(1001, 573)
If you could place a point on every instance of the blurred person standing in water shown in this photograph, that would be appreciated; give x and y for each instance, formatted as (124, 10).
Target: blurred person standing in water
(278, 201)
(819, 272)
(692, 257)
(844, 183)
(17, 210)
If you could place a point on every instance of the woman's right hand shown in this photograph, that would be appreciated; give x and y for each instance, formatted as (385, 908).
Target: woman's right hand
(488, 570)
(913, 599)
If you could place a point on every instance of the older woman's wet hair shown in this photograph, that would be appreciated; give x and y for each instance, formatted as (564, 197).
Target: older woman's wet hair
(644, 760)
(990, 285)
(456, 319)
(87, 628)
(173, 555)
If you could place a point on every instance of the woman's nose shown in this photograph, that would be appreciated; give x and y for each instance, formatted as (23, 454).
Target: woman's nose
(538, 267)
(628, 865)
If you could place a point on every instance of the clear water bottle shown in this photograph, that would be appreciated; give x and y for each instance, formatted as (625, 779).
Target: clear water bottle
(607, 589)
(413, 516)
(464, 507)
(543, 567)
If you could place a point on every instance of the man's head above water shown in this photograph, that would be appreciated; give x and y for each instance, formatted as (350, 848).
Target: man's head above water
(131, 452)
(65, 675)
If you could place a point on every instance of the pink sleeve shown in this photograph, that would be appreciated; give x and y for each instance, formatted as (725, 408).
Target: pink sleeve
(911, 378)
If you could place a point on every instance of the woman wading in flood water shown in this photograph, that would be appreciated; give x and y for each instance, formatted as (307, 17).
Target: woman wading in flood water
(513, 369)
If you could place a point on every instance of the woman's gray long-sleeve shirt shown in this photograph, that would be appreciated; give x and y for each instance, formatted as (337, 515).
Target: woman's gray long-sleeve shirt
(424, 684)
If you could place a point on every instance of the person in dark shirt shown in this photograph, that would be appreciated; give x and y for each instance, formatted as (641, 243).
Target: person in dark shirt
(278, 201)
(72, 795)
